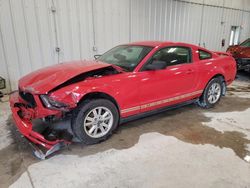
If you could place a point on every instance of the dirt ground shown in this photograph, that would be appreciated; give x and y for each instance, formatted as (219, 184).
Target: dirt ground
(185, 147)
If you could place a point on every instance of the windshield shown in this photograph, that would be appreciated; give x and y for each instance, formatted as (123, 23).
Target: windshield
(127, 57)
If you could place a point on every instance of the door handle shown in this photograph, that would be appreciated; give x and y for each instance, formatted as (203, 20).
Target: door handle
(190, 71)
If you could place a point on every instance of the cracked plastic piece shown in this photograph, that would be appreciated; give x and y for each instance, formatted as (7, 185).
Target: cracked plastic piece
(41, 155)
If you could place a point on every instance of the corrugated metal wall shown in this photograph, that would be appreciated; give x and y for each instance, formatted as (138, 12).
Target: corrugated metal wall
(37, 33)
(204, 25)
(165, 20)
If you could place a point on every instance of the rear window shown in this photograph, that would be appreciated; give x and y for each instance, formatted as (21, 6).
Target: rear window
(204, 55)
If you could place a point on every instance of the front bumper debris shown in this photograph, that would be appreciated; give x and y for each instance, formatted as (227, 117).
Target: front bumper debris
(43, 155)
(23, 116)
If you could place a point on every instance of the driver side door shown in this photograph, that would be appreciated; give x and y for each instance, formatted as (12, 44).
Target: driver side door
(170, 85)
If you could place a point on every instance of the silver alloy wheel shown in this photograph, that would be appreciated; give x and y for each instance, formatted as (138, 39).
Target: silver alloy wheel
(98, 122)
(214, 93)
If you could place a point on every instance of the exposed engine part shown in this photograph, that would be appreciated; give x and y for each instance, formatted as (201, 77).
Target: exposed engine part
(104, 72)
(95, 73)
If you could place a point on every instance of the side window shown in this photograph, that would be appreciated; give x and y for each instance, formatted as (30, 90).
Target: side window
(204, 55)
(173, 55)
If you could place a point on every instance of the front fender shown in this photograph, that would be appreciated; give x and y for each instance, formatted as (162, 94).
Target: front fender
(73, 94)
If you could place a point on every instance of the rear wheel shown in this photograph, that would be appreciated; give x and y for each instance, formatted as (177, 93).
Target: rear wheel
(212, 93)
(95, 120)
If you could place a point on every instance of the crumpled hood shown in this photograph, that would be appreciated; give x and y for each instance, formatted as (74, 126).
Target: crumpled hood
(45, 79)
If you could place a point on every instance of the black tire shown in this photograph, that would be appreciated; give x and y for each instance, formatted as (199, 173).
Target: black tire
(203, 100)
(82, 111)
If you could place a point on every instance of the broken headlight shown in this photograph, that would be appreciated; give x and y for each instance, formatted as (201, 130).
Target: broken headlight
(52, 104)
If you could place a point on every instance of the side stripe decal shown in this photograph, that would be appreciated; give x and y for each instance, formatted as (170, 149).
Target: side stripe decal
(161, 102)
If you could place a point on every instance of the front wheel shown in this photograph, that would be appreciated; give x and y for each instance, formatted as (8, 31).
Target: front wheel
(95, 120)
(212, 93)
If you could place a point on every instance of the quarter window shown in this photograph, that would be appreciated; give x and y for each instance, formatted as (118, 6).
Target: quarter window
(204, 55)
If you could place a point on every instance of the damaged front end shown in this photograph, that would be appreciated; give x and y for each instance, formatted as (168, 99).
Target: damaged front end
(37, 111)
(28, 112)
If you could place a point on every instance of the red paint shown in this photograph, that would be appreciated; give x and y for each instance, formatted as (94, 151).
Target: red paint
(43, 80)
(239, 51)
(132, 91)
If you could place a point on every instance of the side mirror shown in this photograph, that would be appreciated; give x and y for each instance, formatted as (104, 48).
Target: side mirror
(97, 56)
(156, 65)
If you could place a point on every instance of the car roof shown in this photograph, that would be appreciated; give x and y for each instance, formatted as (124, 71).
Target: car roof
(148, 43)
(161, 43)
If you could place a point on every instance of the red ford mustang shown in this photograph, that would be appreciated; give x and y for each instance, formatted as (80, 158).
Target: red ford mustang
(127, 82)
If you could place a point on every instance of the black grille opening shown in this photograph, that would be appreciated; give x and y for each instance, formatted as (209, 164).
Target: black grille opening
(28, 97)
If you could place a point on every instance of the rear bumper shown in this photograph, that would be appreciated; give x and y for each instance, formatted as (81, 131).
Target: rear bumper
(24, 125)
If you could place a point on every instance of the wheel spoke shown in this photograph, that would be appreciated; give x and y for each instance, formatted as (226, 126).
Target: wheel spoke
(92, 129)
(214, 98)
(95, 113)
(105, 114)
(90, 119)
(107, 118)
(99, 111)
(102, 129)
(214, 86)
(105, 125)
(95, 132)
(210, 98)
(217, 89)
(88, 124)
